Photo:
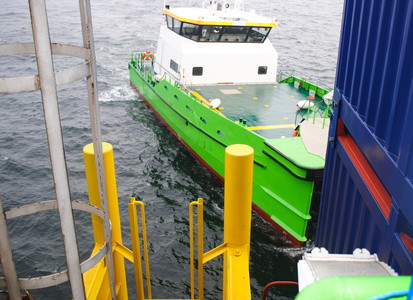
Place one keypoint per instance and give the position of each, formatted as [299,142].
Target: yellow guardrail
[200,219]
[237,227]
[136,248]
[205,102]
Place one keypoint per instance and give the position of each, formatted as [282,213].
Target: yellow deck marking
[271,127]
[240,88]
[266,105]
[275,86]
[285,118]
[198,89]
[205,102]
[255,98]
[292,96]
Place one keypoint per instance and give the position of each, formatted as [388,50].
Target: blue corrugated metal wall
[374,108]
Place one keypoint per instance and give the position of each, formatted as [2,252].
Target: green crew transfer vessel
[213,82]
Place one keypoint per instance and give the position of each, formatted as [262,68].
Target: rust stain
[37,82]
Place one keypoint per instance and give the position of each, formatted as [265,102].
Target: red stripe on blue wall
[373,183]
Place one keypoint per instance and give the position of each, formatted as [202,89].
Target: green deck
[295,151]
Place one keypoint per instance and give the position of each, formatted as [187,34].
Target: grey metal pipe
[6,258]
[44,57]
[8,282]
[88,42]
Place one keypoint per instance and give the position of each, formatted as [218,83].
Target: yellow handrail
[191,247]
[136,248]
[200,222]
[237,227]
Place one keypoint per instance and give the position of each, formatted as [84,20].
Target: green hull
[284,172]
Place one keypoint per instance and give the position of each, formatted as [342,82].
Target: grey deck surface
[272,107]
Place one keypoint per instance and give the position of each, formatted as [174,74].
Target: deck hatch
[231,91]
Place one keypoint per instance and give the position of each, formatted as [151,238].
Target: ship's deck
[269,109]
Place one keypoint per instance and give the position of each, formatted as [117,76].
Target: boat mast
[238,5]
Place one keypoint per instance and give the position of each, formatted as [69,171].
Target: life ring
[147,55]
[295,133]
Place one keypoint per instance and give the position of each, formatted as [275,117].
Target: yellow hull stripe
[271,127]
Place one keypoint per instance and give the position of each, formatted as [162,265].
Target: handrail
[185,80]
[308,83]
[237,227]
[137,62]
[55,278]
[136,248]
[274,283]
[31,82]
[137,252]
[201,262]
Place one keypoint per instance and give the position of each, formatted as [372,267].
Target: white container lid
[320,264]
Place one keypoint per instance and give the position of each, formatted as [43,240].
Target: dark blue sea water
[150,162]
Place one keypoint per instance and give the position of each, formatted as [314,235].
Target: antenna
[239,4]
[270,9]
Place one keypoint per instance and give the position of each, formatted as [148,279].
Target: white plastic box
[320,264]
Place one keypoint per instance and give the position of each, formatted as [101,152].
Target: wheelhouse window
[215,33]
[190,31]
[262,70]
[234,34]
[210,33]
[173,65]
[258,34]
[169,22]
[197,71]
[177,26]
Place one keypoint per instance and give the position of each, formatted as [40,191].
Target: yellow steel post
[191,247]
[200,218]
[112,196]
[237,221]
